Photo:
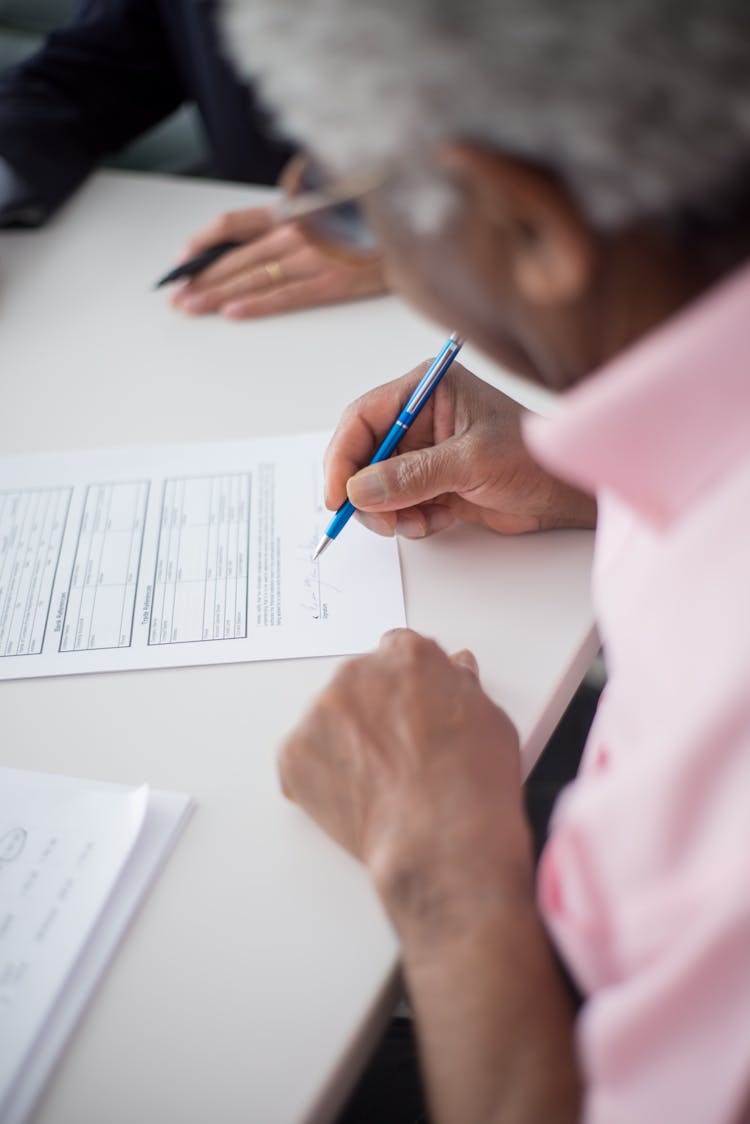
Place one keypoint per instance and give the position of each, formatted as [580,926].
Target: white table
[261,968]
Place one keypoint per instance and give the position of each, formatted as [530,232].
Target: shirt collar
[665,419]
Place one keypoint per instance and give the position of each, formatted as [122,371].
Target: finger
[244,283]
[397,637]
[288,297]
[275,246]
[405,647]
[466,659]
[380,524]
[229,266]
[413,523]
[232,226]
[418,522]
[360,430]
[412,478]
[238,285]
[198,295]
[241,273]
[329,283]
[243,295]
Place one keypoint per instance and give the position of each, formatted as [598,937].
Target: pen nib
[324,542]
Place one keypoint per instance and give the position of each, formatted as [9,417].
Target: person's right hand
[463,459]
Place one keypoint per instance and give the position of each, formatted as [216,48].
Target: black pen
[197,264]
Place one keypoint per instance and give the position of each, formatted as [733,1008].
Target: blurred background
[175,145]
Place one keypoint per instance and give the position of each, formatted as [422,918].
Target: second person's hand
[463,459]
[275,270]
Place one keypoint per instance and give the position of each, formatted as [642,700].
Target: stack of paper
[76,858]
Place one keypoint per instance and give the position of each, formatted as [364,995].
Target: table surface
[261,967]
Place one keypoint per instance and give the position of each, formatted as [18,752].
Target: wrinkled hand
[408,764]
[277,270]
[463,459]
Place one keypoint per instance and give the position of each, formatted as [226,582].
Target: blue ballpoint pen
[424,389]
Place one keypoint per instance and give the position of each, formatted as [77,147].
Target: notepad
[76,858]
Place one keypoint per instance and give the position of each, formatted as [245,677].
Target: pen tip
[324,542]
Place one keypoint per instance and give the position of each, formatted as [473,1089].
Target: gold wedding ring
[274,271]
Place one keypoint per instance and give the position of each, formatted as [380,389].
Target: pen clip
[436,372]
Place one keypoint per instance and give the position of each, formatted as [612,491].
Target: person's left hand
[276,270]
[406,762]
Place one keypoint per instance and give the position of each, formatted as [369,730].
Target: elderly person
[567,186]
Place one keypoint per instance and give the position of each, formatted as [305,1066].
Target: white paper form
[75,859]
[186,554]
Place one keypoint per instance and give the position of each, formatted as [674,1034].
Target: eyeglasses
[329,213]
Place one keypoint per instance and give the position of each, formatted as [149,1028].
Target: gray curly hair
[639,106]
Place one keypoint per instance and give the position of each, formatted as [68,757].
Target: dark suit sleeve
[97,83]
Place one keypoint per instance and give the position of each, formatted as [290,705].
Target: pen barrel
[432,377]
[340,519]
[397,431]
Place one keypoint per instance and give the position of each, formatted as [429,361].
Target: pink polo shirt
[645,881]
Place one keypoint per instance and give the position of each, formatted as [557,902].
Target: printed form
[185,554]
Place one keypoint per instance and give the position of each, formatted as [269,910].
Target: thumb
[411,478]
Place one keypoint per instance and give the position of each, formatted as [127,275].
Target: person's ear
[528,217]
